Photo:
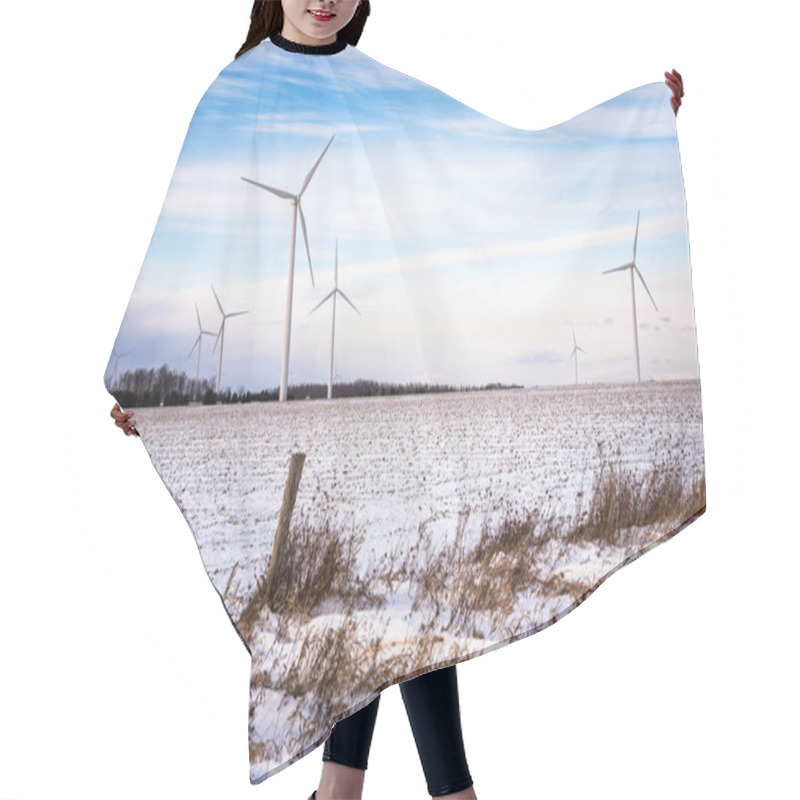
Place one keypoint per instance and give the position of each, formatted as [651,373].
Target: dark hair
[266,18]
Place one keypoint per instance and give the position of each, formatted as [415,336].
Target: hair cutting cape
[419,381]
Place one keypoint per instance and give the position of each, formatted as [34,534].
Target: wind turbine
[336,290]
[197,343]
[117,357]
[221,334]
[294,199]
[575,353]
[632,267]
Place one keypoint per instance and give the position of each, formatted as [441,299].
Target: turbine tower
[336,290]
[294,199]
[117,357]
[574,353]
[197,343]
[221,334]
[632,267]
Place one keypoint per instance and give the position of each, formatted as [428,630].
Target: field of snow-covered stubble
[478,518]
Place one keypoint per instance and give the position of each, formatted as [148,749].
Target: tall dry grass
[621,502]
[519,554]
[318,565]
[341,672]
[456,589]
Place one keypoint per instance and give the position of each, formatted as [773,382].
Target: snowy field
[388,464]
[415,480]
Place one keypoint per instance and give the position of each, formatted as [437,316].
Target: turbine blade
[636,235]
[617,269]
[218,302]
[305,239]
[645,287]
[219,333]
[348,300]
[327,297]
[279,192]
[314,168]
[583,351]
[196,342]
[236,314]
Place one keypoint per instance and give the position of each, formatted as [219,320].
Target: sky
[471,249]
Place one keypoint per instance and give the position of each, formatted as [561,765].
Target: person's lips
[321,15]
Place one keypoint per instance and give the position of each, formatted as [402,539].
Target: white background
[120,674]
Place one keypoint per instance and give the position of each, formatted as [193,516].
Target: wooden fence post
[264,593]
[284,522]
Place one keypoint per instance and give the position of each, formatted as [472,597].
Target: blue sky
[471,248]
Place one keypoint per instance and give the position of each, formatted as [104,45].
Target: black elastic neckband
[310,49]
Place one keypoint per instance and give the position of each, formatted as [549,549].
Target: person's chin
[319,37]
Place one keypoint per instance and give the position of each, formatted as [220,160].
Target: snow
[390,469]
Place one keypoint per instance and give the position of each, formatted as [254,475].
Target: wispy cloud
[465,243]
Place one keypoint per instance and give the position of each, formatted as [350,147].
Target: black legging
[432,706]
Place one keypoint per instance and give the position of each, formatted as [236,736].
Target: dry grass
[621,503]
[337,669]
[518,555]
[450,585]
[317,565]
[456,590]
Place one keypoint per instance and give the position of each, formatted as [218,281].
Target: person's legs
[351,737]
[433,710]
[345,755]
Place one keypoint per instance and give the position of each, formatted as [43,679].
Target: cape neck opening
[310,49]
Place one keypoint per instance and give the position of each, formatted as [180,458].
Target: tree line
[141,388]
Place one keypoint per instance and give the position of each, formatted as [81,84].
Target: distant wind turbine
[117,357]
[221,334]
[294,199]
[632,267]
[574,353]
[336,290]
[197,342]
